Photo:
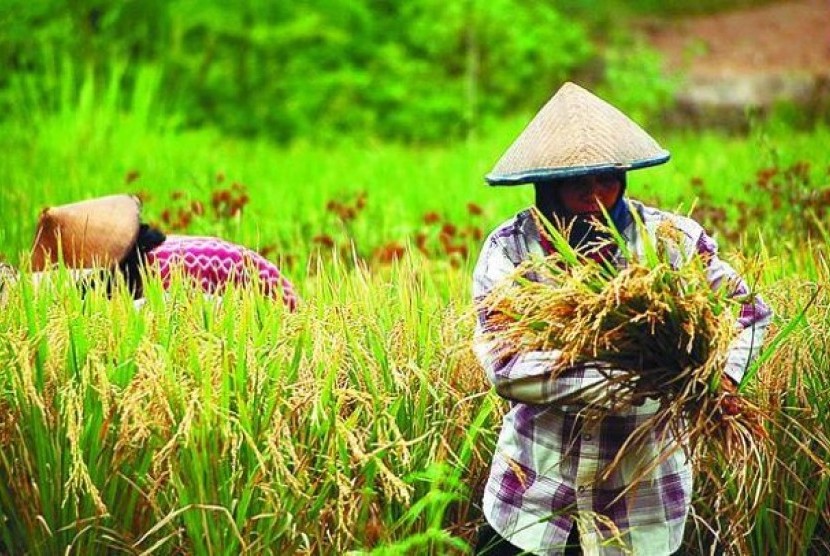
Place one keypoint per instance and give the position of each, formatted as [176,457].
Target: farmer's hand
[730,403]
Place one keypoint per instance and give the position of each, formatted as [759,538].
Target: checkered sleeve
[755,315]
[526,377]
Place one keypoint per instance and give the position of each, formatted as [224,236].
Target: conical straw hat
[576,133]
[94,233]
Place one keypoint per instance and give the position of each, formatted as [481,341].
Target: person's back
[107,234]
[212,263]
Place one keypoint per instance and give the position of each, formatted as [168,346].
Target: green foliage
[418,70]
[635,82]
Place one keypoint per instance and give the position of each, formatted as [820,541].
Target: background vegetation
[347,141]
[420,70]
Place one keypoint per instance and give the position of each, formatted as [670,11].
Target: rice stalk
[791,513]
[305,430]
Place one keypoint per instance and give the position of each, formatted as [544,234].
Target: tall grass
[229,426]
[360,423]
[106,139]
[791,516]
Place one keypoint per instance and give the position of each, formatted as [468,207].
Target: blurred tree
[420,70]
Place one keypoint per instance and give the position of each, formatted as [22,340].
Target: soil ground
[781,37]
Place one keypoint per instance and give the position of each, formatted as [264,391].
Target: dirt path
[780,37]
[755,56]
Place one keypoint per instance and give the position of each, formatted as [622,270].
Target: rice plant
[227,425]
[361,423]
[790,514]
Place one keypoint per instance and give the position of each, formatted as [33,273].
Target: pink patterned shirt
[212,263]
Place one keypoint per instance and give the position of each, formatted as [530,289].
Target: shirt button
[587,437]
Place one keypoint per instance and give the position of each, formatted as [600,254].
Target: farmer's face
[584,194]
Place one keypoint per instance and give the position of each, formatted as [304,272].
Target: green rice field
[361,423]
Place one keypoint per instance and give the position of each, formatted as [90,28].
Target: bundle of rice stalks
[650,323]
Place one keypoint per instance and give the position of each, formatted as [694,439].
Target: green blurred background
[298,105]
[421,70]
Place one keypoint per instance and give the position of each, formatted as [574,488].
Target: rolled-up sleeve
[754,316]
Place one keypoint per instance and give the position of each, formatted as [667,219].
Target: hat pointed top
[576,133]
[87,234]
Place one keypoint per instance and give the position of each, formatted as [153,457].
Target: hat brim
[576,133]
[539,175]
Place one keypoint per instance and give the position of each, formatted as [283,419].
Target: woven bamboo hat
[576,133]
[93,233]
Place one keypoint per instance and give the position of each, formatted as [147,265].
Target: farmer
[107,233]
[547,467]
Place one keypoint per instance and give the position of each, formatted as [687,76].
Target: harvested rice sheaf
[652,324]
[661,324]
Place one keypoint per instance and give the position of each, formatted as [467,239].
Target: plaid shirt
[549,458]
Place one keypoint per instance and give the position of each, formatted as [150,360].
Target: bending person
[107,233]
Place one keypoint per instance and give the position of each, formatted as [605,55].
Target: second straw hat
[576,133]
[93,233]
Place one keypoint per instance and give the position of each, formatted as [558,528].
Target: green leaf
[782,335]
[649,248]
[538,326]
[560,243]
